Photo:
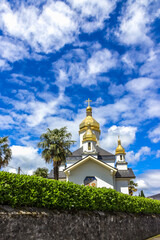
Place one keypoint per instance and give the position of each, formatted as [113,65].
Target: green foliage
[55,145]
[141,194]
[132,187]
[22,190]
[41,172]
[5,152]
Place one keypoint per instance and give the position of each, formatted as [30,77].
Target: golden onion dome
[120,149]
[89,121]
[89,135]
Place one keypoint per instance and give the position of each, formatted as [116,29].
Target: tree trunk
[56,170]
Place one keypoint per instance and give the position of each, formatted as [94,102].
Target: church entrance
[90,181]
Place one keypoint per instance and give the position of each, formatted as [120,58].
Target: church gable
[91,168]
[91,158]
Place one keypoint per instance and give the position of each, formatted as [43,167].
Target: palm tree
[55,144]
[132,187]
[41,172]
[5,152]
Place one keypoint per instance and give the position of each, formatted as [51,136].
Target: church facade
[93,166]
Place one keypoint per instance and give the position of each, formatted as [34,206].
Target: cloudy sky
[56,54]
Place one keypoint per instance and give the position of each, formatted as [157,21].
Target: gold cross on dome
[88,101]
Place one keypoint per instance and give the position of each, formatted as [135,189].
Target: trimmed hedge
[22,190]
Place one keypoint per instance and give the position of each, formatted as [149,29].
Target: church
[93,166]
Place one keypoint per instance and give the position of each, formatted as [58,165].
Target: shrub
[22,190]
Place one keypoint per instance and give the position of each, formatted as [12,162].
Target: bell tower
[120,153]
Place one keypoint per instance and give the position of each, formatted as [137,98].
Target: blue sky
[56,54]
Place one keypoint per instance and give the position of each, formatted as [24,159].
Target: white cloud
[133,158]
[98,11]
[45,30]
[149,181]
[154,134]
[116,90]
[4,65]
[135,101]
[151,65]
[77,67]
[140,86]
[56,24]
[131,58]
[110,138]
[128,61]
[134,23]
[35,112]
[158,154]
[40,110]
[27,158]
[12,50]
[101,61]
[99,101]
[153,107]
[6,122]
[118,111]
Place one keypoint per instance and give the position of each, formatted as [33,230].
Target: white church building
[93,166]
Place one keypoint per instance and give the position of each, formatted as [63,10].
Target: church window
[90,181]
[120,157]
[89,146]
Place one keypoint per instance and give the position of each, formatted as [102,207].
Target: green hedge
[22,190]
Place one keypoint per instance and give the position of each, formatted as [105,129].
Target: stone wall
[34,223]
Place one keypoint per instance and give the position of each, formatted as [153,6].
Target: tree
[41,172]
[141,194]
[5,152]
[55,144]
[132,187]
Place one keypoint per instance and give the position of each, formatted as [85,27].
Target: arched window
[89,146]
[120,157]
[90,181]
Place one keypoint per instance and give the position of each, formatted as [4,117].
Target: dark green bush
[21,190]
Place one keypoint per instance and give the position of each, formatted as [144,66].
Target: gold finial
[119,141]
[88,102]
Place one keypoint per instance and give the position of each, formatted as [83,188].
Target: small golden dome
[89,120]
[89,135]
[89,109]
[120,149]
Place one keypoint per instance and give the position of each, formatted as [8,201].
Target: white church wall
[90,168]
[122,186]
[110,162]
[97,136]
[122,166]
[120,158]
[81,138]
[93,147]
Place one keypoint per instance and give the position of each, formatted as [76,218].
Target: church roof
[78,152]
[103,152]
[125,173]
[81,161]
[99,151]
